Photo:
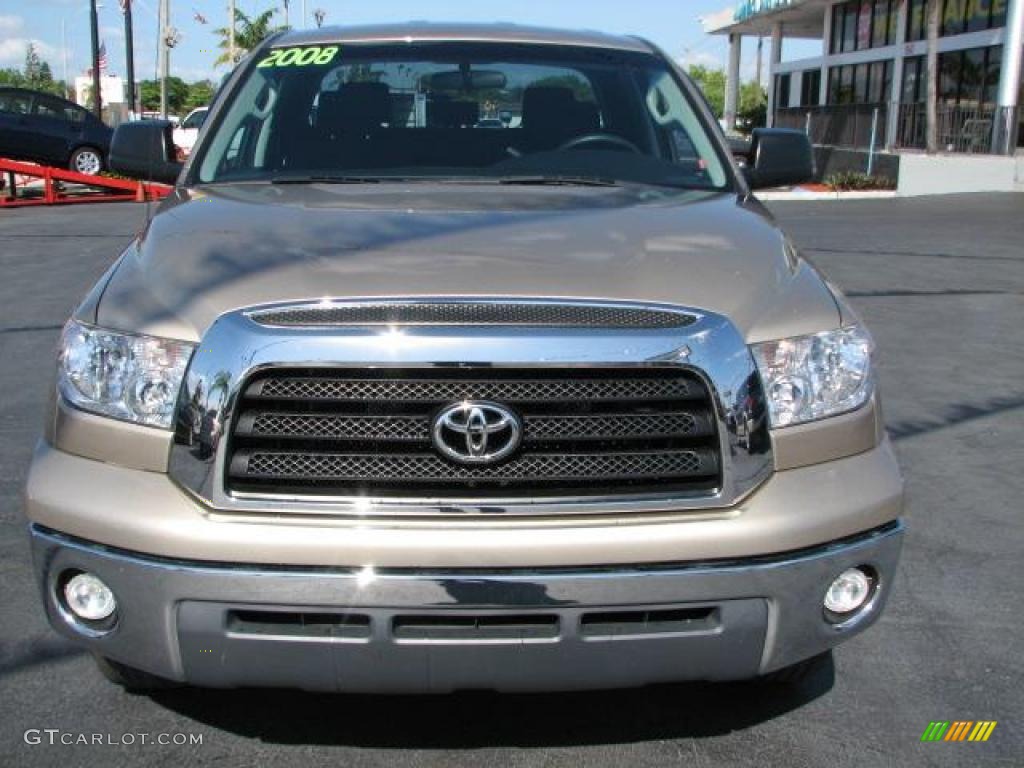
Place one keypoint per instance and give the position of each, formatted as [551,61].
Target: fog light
[850,591]
[89,598]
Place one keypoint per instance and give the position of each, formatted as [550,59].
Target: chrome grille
[367,432]
[546,314]
[334,467]
[530,389]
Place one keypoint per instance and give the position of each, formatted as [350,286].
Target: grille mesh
[476,313]
[586,431]
[426,390]
[289,425]
[538,467]
[341,427]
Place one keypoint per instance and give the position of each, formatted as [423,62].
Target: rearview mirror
[474,80]
[145,150]
[779,157]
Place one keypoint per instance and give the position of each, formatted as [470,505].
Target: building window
[861,24]
[881,28]
[913,88]
[917,23]
[782,90]
[956,17]
[970,78]
[967,78]
[810,87]
[850,27]
[879,82]
[860,83]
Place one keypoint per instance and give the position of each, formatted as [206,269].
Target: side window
[195,120]
[57,109]
[15,103]
[47,107]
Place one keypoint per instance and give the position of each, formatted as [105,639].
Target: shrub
[845,181]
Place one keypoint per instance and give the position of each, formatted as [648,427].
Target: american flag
[101,56]
[126,5]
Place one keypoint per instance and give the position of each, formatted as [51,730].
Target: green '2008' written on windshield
[300,57]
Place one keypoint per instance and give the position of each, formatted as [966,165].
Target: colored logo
[958,730]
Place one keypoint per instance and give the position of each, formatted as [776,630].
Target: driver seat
[552,116]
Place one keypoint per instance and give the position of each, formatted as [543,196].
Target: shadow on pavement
[33,651]
[475,720]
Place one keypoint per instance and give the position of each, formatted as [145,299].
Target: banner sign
[749,8]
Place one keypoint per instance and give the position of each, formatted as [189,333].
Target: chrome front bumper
[404,630]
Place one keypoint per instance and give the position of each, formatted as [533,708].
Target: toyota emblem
[475,432]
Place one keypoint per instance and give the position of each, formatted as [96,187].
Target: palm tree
[248,34]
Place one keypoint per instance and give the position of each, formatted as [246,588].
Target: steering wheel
[600,138]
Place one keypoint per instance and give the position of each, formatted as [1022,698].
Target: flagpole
[97,96]
[129,54]
[64,57]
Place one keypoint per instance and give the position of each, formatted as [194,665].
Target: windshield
[506,112]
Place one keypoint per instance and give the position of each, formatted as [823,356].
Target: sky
[672,24]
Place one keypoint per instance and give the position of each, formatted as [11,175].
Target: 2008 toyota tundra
[462,357]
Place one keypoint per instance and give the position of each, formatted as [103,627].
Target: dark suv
[50,130]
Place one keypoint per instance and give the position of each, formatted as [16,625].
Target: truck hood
[209,251]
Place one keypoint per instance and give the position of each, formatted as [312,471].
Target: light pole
[97,97]
[165,54]
[129,54]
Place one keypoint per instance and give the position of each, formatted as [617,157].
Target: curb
[808,194]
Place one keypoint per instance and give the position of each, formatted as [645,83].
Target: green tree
[11,76]
[200,94]
[249,32]
[37,75]
[33,65]
[149,95]
[712,83]
[753,107]
[752,110]
[177,94]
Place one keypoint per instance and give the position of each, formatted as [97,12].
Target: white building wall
[111,89]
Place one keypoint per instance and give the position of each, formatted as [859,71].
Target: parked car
[186,132]
[47,129]
[382,401]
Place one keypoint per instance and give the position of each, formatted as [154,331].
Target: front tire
[86,160]
[130,678]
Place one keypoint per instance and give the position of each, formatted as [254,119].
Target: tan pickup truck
[462,357]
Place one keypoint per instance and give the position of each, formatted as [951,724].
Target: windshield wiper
[325,179]
[559,181]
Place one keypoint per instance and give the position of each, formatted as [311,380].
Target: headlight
[812,377]
[133,378]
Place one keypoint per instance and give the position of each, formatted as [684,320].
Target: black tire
[131,679]
[799,672]
[87,160]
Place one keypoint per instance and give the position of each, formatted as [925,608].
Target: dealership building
[867,88]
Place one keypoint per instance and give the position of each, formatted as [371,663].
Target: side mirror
[144,150]
[779,157]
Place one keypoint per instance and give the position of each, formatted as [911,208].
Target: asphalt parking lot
[939,280]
